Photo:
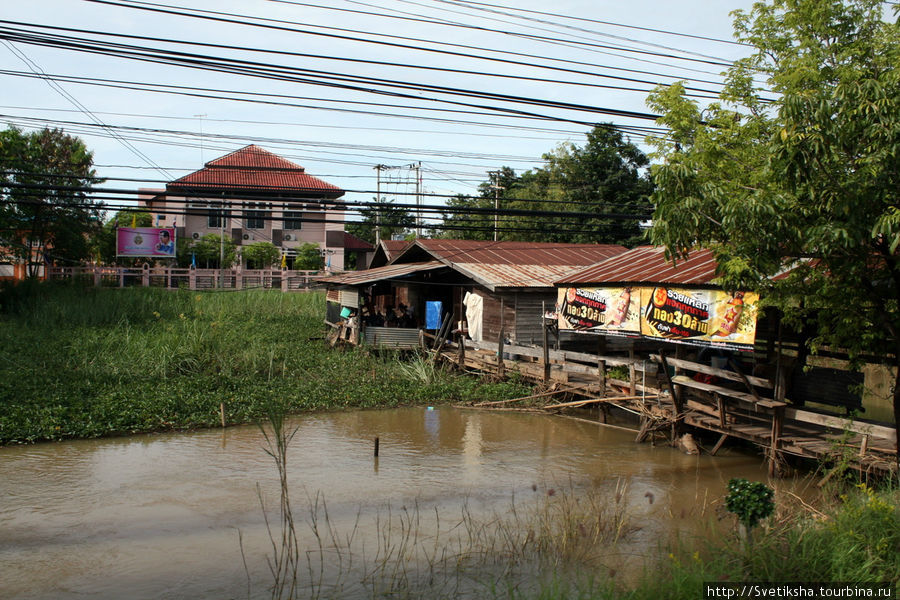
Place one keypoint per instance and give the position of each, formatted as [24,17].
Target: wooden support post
[677,397]
[720,404]
[780,379]
[377,442]
[864,446]
[601,364]
[546,355]
[737,369]
[643,431]
[719,444]
[500,364]
[222,413]
[461,351]
[632,372]
[777,424]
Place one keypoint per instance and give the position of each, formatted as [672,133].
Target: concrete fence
[192,279]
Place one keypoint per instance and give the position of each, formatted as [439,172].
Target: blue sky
[172,135]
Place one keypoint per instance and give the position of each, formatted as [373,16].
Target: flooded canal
[180,516]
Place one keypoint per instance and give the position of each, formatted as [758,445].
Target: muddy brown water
[179,515]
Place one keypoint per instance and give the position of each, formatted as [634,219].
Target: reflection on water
[159,516]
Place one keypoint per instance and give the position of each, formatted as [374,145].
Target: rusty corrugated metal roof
[394,247]
[253,169]
[515,264]
[381,273]
[519,253]
[648,264]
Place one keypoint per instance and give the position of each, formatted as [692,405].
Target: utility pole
[418,169]
[495,185]
[201,136]
[378,169]
[222,242]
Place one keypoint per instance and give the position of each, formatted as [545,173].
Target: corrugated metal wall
[528,316]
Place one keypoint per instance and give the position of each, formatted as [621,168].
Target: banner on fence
[701,317]
[145,241]
[614,310]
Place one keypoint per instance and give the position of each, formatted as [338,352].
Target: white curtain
[474,306]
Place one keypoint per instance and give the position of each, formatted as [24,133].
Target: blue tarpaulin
[433,310]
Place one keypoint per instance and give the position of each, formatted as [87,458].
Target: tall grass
[86,362]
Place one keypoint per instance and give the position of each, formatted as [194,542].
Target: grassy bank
[88,362]
[851,538]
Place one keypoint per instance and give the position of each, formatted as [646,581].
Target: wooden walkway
[719,401]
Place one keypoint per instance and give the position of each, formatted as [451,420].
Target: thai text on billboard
[705,317]
[614,310]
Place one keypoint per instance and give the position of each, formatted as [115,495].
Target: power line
[36,69]
[331,79]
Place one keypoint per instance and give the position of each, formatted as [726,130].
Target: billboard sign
[692,316]
[704,317]
[156,242]
[613,310]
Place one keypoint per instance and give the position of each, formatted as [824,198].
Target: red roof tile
[253,169]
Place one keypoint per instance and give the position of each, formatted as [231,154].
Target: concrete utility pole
[222,243]
[201,136]
[418,169]
[495,185]
[378,169]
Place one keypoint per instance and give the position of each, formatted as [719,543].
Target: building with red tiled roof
[253,195]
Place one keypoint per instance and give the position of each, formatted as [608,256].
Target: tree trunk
[897,409]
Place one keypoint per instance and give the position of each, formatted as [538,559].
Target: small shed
[478,287]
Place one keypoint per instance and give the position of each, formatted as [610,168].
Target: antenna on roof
[202,162]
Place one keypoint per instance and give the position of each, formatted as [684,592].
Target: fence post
[192,279]
[546,357]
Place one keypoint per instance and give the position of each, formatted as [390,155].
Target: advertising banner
[614,310]
[704,317]
[145,241]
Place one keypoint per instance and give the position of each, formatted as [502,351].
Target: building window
[255,219]
[292,220]
[216,219]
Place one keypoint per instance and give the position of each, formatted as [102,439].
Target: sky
[341,86]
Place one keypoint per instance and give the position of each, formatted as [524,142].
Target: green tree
[309,258]
[805,181]
[104,240]
[472,217]
[45,203]
[603,185]
[599,192]
[261,255]
[389,219]
[208,249]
